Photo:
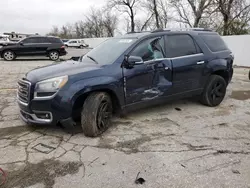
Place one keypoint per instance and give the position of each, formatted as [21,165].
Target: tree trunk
[132,18]
[156,14]
[197,21]
[226,25]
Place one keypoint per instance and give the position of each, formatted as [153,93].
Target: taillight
[62,46]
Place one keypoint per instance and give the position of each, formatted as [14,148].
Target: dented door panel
[137,80]
[154,82]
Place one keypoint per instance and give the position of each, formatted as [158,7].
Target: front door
[29,46]
[188,62]
[151,79]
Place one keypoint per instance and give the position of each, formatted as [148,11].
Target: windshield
[108,51]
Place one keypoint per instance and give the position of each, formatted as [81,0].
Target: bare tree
[233,11]
[54,31]
[127,6]
[110,24]
[158,10]
[191,11]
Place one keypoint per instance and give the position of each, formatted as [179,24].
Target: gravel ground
[179,144]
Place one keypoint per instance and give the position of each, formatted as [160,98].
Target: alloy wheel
[54,55]
[9,55]
[103,116]
[217,91]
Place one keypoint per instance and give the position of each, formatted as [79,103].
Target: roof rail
[182,29]
[137,32]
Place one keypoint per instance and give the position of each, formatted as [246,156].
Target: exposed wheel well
[224,74]
[77,107]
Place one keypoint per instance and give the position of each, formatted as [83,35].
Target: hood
[60,69]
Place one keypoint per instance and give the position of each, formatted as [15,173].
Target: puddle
[240,95]
[43,173]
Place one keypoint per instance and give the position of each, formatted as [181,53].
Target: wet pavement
[179,144]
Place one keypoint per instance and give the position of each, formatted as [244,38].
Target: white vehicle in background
[4,40]
[76,43]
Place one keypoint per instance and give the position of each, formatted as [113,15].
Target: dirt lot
[180,144]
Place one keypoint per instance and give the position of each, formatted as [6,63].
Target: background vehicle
[51,47]
[65,40]
[144,69]
[4,40]
[76,43]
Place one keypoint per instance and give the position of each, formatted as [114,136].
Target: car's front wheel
[215,91]
[9,55]
[81,46]
[96,114]
[53,55]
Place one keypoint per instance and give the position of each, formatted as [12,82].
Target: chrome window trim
[172,58]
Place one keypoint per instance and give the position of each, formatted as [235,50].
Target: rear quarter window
[214,42]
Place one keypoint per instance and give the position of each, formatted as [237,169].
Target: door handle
[200,62]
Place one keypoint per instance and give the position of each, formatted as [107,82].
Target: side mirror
[133,60]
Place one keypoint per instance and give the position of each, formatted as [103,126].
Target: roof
[185,30]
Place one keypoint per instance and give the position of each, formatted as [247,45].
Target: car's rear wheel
[9,55]
[96,114]
[215,91]
[54,55]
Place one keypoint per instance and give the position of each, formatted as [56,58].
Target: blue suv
[126,73]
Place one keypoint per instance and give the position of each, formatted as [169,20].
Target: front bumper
[49,111]
[33,119]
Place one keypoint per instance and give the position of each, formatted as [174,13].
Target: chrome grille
[23,91]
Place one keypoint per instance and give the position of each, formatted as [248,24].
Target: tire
[54,55]
[9,55]
[96,114]
[81,46]
[66,46]
[214,92]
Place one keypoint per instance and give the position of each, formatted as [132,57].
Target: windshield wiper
[92,59]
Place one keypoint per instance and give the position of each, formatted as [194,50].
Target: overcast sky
[38,16]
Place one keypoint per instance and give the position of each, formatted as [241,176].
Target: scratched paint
[151,94]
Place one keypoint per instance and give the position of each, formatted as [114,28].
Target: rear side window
[180,45]
[43,40]
[54,40]
[214,42]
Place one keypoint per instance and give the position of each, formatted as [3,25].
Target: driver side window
[150,49]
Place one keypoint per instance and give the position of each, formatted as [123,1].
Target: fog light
[43,115]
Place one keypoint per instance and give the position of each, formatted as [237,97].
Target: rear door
[42,46]
[188,62]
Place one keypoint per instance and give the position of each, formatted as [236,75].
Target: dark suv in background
[51,47]
[126,73]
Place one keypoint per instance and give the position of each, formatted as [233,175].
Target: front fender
[105,83]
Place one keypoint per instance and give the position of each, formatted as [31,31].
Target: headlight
[51,85]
